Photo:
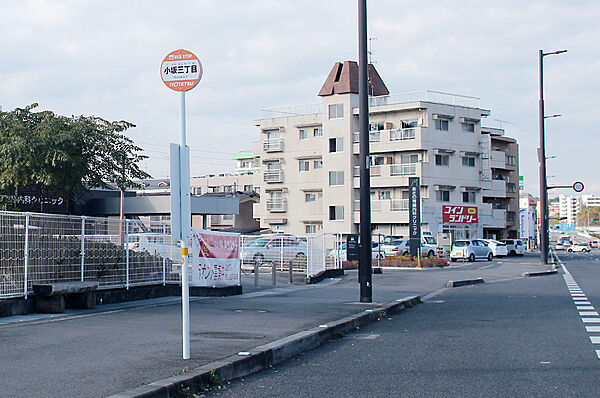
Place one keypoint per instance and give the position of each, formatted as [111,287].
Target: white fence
[283,252]
[46,248]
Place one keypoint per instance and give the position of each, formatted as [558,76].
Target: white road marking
[593,329]
[590,320]
[588,313]
[595,339]
[583,303]
[598,353]
[577,294]
[579,298]
[366,336]
[585,307]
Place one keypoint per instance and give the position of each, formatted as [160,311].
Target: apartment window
[215,189]
[336,144]
[376,126]
[318,164]
[409,158]
[336,111]
[312,228]
[407,124]
[377,160]
[304,165]
[227,188]
[441,124]
[468,127]
[336,213]
[469,197]
[336,178]
[383,195]
[442,196]
[511,216]
[511,187]
[303,134]
[468,161]
[197,190]
[248,188]
[310,197]
[318,132]
[442,160]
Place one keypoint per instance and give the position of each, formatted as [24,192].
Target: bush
[402,261]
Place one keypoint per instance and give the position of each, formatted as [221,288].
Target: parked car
[559,246]
[402,247]
[470,250]
[275,248]
[391,238]
[499,249]
[515,247]
[377,253]
[594,244]
[579,247]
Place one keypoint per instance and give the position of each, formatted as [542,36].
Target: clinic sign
[215,258]
[181,70]
[414,214]
[459,214]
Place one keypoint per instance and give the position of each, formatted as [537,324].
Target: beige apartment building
[308,175]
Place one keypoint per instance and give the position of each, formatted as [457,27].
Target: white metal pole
[164,257]
[26,249]
[185,292]
[127,254]
[82,247]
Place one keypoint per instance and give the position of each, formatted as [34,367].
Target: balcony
[276,205]
[498,160]
[388,135]
[384,211]
[403,169]
[273,145]
[385,205]
[425,96]
[273,175]
[388,174]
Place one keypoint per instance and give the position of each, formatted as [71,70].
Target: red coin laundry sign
[181,70]
[459,214]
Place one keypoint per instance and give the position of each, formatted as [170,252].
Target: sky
[102,58]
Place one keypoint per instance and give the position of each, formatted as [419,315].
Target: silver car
[275,249]
[471,250]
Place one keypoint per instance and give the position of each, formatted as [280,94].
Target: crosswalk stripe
[595,339]
[590,320]
[585,307]
[588,313]
[592,329]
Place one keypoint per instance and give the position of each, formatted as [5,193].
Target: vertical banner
[215,258]
[414,214]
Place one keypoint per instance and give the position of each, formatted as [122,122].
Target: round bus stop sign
[181,70]
[578,186]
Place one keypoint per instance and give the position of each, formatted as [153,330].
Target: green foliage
[591,213]
[66,154]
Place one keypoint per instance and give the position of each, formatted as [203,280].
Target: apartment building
[309,171]
[590,200]
[569,207]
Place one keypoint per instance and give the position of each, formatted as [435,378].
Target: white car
[499,249]
[470,250]
[376,252]
[579,247]
[429,247]
[275,248]
[515,247]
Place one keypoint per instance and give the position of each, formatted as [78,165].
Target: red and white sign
[459,214]
[578,186]
[181,70]
[215,258]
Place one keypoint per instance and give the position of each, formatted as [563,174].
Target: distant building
[590,200]
[569,207]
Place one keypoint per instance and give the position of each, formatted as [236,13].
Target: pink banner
[215,258]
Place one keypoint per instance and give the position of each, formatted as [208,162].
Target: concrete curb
[541,273]
[264,356]
[465,282]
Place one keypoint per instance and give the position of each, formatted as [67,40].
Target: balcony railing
[273,175]
[273,145]
[276,205]
[386,205]
[426,96]
[403,134]
[404,169]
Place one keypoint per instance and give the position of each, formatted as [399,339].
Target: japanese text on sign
[181,70]
[215,258]
[459,214]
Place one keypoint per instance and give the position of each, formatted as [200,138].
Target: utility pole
[365,258]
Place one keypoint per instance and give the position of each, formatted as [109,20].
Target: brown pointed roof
[343,79]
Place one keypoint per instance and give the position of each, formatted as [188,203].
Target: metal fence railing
[288,253]
[46,248]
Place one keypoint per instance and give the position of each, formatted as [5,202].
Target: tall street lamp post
[542,159]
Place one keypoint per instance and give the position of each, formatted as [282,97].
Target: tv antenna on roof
[370,51]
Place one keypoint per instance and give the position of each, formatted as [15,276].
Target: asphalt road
[515,338]
[118,347]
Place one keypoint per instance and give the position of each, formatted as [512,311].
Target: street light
[542,159]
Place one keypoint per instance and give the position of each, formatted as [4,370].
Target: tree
[66,154]
[591,213]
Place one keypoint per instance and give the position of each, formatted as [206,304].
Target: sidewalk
[119,347]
